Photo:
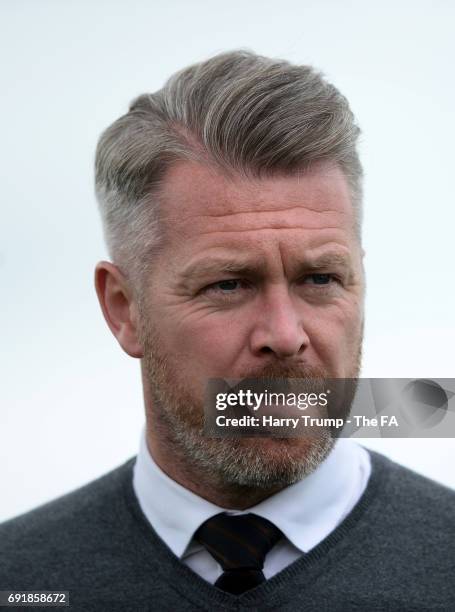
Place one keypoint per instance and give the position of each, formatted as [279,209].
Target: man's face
[256,276]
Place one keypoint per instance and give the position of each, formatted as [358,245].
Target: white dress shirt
[306,512]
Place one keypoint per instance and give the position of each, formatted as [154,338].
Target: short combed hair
[243,112]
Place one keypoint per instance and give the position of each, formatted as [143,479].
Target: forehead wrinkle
[268,228]
[249,213]
[272,210]
[294,218]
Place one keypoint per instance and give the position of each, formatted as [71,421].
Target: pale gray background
[71,405]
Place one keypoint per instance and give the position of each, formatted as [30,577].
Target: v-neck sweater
[394,551]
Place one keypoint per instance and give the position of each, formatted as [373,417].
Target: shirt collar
[306,512]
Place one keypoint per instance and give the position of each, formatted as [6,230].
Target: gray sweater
[395,551]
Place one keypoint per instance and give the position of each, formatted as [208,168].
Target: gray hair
[244,113]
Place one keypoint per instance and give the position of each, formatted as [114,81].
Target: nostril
[266,349]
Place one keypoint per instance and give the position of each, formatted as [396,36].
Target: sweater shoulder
[76,521]
[91,496]
[413,495]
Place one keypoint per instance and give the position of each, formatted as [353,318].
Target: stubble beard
[258,463]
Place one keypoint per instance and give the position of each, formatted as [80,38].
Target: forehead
[193,190]
[199,204]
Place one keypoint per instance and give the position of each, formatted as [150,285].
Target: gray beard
[245,462]
[259,463]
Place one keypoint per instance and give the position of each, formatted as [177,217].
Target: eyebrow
[206,267]
[249,267]
[327,260]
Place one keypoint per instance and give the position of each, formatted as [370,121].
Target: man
[231,202]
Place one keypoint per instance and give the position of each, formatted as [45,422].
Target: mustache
[273,371]
[282,378]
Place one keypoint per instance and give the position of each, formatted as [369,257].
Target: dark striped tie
[240,544]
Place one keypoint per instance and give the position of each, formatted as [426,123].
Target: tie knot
[239,541]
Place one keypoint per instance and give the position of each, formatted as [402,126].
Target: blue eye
[227,285]
[321,279]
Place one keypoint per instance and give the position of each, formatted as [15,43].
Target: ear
[118,306]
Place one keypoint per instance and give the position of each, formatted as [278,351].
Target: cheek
[335,332]
[209,346]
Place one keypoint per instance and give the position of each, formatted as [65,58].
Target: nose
[279,327]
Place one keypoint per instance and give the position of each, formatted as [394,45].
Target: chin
[267,462]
